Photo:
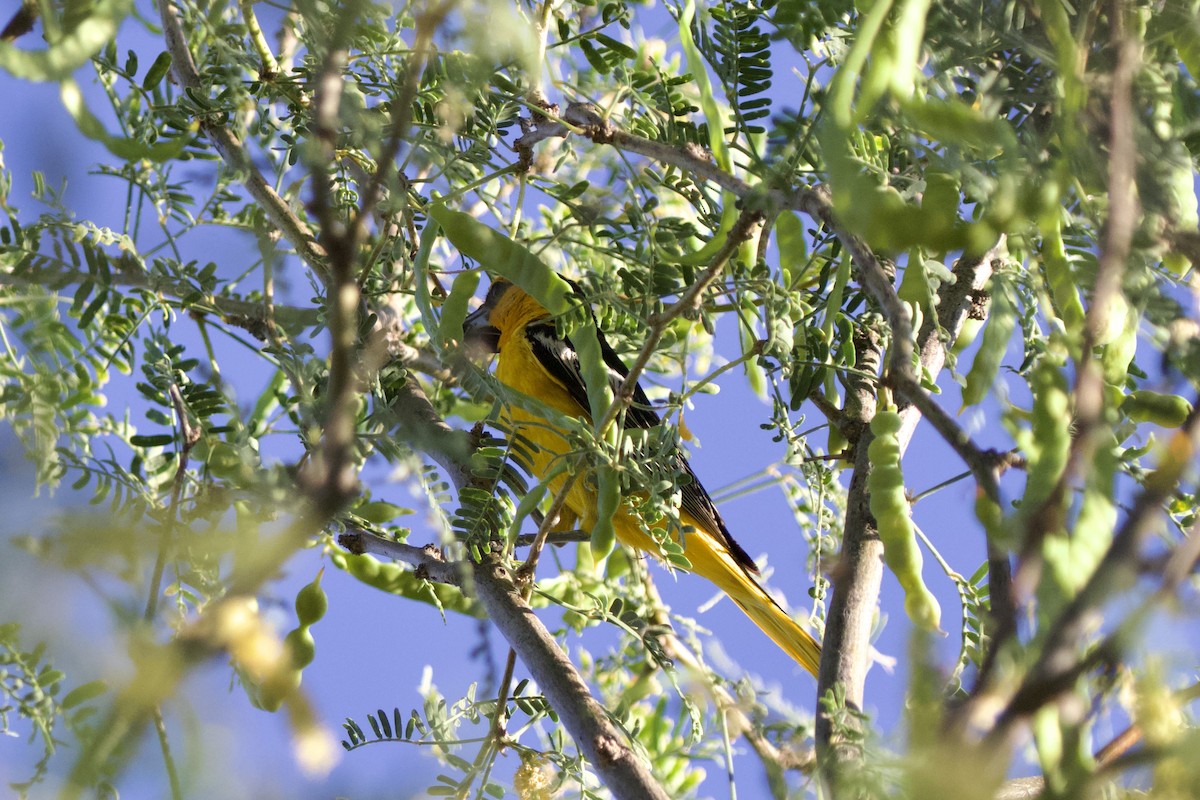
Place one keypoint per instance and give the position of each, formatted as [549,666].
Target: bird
[533,359]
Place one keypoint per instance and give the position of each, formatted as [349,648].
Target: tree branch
[427,560]
[620,768]
[425,24]
[231,148]
[1088,394]
[1057,660]
[605,747]
[250,315]
[815,202]
[857,574]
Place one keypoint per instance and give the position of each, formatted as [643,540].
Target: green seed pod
[891,510]
[311,602]
[454,309]
[989,514]
[966,335]
[837,444]
[301,647]
[1048,444]
[939,211]
[389,576]
[363,567]
[1167,410]
[1119,352]
[1060,278]
[1181,191]
[277,688]
[996,334]
[608,500]
[158,70]
[915,290]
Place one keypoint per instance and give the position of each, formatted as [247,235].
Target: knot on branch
[536,128]
[610,749]
[352,542]
[591,119]
[697,152]
[1003,460]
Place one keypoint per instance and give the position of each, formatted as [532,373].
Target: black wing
[558,356]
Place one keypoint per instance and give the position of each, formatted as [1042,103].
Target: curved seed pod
[996,334]
[1048,443]
[891,510]
[1167,410]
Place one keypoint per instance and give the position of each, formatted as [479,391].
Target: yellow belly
[544,442]
[548,448]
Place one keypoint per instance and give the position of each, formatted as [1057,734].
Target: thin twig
[688,302]
[775,760]
[1120,225]
[428,560]
[164,744]
[231,148]
[189,436]
[425,24]
[558,537]
[497,731]
[982,463]
[527,570]
[1057,661]
[235,311]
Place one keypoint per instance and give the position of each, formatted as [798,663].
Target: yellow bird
[536,361]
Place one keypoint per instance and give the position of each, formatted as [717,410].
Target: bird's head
[506,308]
[478,329]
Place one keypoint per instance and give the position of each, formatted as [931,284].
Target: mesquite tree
[823,201]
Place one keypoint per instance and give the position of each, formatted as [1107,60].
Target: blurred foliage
[183,394]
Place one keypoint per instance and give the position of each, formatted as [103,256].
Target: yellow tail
[783,630]
[711,560]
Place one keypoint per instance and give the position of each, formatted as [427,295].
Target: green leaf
[152,440]
[73,50]
[120,146]
[81,694]
[379,512]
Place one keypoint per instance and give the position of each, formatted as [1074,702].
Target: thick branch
[604,746]
[584,718]
[858,572]
[330,477]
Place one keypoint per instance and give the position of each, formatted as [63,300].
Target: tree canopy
[974,223]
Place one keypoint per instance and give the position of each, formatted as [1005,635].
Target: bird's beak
[479,335]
